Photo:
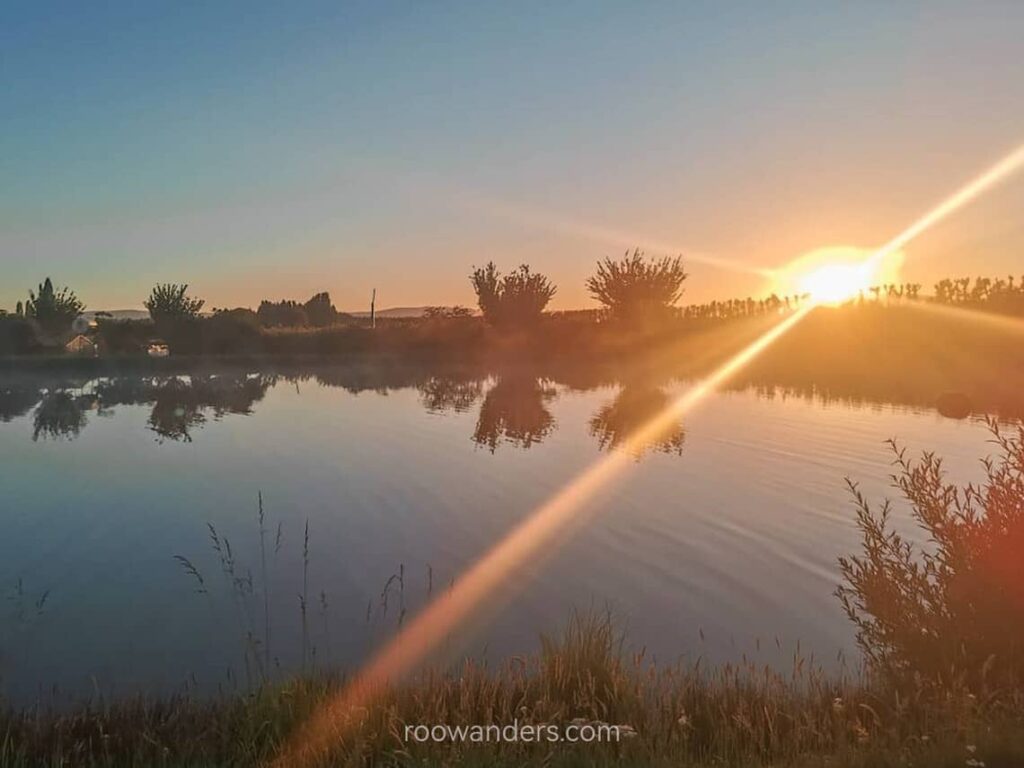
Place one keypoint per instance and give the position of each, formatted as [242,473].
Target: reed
[683,714]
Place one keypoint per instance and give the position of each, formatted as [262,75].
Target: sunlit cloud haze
[275,151]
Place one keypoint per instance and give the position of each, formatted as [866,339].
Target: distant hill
[393,312]
[142,314]
[119,314]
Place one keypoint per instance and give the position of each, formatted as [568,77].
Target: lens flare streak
[543,528]
[999,172]
[536,534]
[620,238]
[1004,323]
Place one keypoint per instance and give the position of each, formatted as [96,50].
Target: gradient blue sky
[277,149]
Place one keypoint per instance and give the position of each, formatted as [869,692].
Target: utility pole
[373,309]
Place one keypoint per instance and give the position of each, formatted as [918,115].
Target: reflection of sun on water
[838,274]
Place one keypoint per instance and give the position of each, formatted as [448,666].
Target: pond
[133,557]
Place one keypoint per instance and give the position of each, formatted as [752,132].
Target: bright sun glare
[835,275]
[836,283]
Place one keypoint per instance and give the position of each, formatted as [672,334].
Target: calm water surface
[730,526]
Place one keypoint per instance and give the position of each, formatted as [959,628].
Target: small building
[81,345]
[158,348]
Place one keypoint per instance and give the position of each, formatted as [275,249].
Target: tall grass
[937,627]
[683,714]
[245,590]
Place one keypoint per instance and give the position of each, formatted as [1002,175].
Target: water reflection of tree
[176,411]
[514,411]
[444,393]
[179,404]
[631,410]
[380,377]
[59,415]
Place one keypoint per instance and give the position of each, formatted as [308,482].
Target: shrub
[124,337]
[317,312]
[637,289]
[225,332]
[18,335]
[518,298]
[281,314]
[320,311]
[231,331]
[951,610]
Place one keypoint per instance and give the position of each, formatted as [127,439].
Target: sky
[274,150]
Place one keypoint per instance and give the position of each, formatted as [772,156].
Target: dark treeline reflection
[512,404]
[858,358]
[514,411]
[450,393]
[637,403]
[59,414]
[60,409]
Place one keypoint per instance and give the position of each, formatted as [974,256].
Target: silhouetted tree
[638,289]
[171,302]
[18,335]
[320,312]
[53,310]
[282,314]
[486,283]
[733,308]
[518,298]
[999,295]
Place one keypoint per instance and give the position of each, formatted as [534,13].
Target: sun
[837,274]
[836,283]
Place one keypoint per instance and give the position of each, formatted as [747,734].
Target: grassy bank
[740,715]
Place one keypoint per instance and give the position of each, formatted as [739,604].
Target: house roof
[79,342]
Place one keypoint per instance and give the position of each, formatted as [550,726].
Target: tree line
[634,291]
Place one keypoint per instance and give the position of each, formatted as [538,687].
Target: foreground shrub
[952,610]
